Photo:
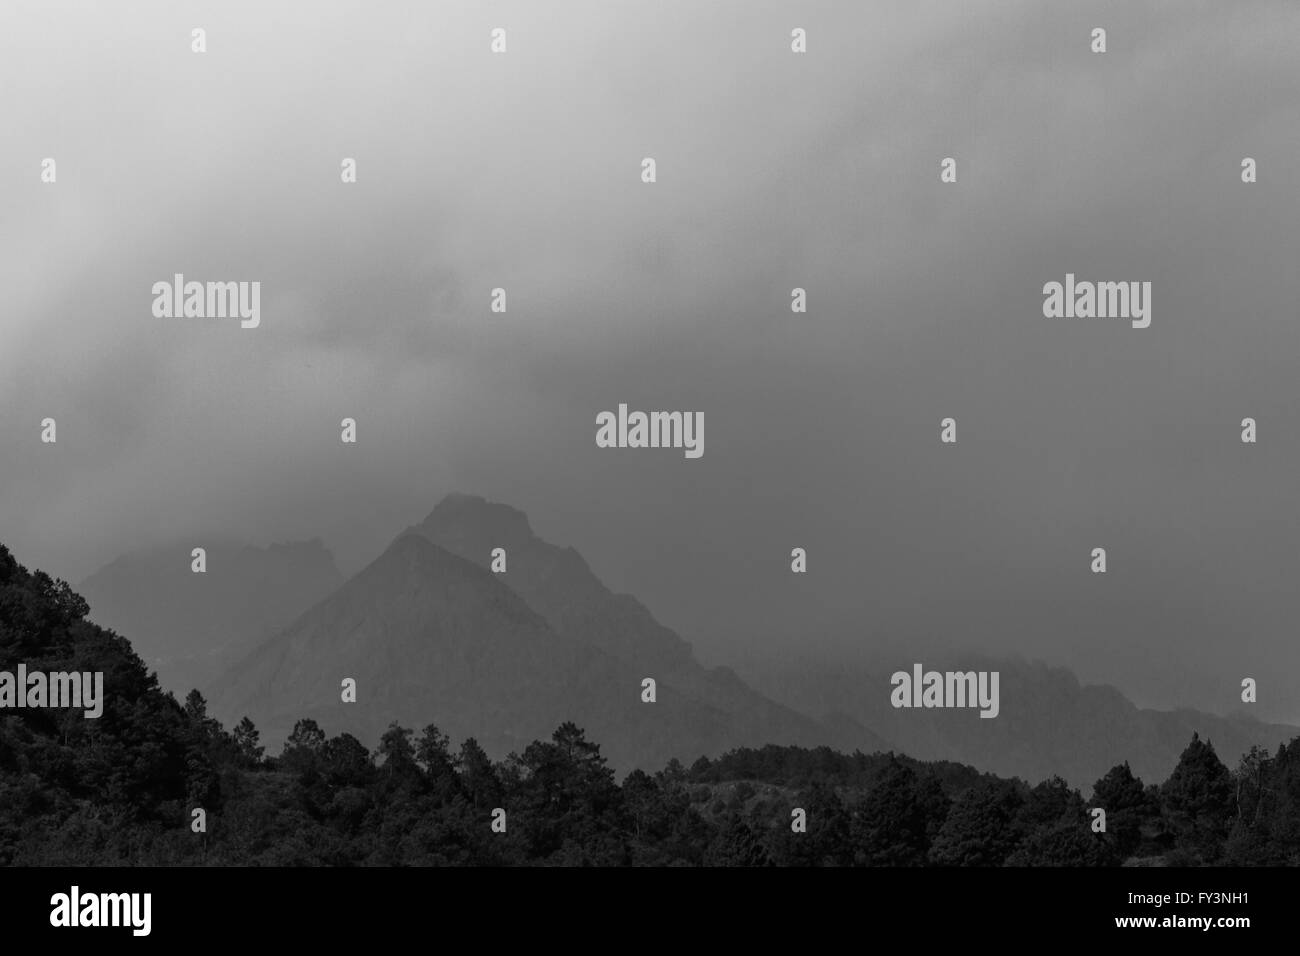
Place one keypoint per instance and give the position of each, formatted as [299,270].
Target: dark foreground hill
[152,782]
[68,781]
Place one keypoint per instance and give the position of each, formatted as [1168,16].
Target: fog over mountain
[775,171]
[1049,724]
[431,634]
[191,627]
[430,637]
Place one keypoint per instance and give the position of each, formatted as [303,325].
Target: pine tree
[1198,799]
[1127,807]
[301,753]
[979,830]
[246,743]
[888,827]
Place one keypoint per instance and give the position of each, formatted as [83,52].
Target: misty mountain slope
[1048,722]
[190,627]
[555,582]
[558,584]
[430,637]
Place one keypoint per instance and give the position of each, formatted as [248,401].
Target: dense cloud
[775,171]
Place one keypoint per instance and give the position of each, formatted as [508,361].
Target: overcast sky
[775,170]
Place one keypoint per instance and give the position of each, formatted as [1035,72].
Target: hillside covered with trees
[123,788]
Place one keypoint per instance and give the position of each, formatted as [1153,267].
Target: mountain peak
[420,557]
[558,584]
[459,512]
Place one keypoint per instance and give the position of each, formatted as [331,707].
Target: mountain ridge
[430,636]
[599,639]
[1051,723]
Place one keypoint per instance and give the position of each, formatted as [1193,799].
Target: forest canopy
[127,789]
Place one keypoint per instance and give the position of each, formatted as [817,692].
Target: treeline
[124,789]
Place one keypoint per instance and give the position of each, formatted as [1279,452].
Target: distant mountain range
[1048,724]
[191,627]
[432,635]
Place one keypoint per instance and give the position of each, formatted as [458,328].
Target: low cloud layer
[521,171]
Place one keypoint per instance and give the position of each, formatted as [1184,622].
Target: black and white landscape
[729,433]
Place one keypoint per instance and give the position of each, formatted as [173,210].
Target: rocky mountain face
[430,637]
[558,584]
